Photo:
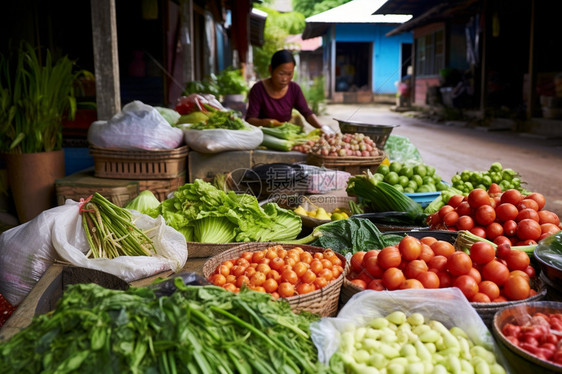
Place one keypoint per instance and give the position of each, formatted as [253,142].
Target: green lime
[496,167]
[399,187]
[516,182]
[428,180]
[486,180]
[505,185]
[395,166]
[465,175]
[475,178]
[418,179]
[409,190]
[420,170]
[392,177]
[436,178]
[413,185]
[506,176]
[441,186]
[406,171]
[468,186]
[383,169]
[430,170]
[424,188]
[378,176]
[496,177]
[403,180]
[481,186]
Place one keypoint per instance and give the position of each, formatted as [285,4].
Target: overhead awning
[257,27]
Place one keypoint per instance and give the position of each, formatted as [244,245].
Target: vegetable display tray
[354,165]
[323,301]
[133,164]
[423,198]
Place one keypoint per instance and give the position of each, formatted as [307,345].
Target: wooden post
[187,41]
[532,78]
[106,58]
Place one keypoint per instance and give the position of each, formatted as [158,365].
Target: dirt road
[451,148]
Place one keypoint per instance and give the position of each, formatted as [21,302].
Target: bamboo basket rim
[348,160]
[324,299]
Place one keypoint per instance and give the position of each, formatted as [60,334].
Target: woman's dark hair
[282,56]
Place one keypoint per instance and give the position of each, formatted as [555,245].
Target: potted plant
[232,85]
[36,94]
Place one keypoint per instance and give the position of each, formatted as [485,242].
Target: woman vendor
[271,100]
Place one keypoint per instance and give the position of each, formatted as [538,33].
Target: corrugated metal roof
[304,45]
[358,11]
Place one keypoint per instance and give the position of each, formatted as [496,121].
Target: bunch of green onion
[111,231]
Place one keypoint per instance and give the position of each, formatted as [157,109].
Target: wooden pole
[106,58]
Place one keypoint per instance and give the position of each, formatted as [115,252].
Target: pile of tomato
[540,336]
[508,217]
[279,271]
[484,275]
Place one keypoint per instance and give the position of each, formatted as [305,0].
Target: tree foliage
[277,27]
[311,7]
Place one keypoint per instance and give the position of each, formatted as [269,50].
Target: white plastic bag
[70,244]
[26,252]
[137,126]
[221,140]
[446,305]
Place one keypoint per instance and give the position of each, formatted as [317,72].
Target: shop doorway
[353,66]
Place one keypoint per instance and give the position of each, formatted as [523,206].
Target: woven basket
[323,301]
[354,165]
[486,311]
[132,164]
[522,361]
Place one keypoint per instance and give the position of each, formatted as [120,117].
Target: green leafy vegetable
[346,235]
[197,329]
[221,119]
[144,203]
[242,219]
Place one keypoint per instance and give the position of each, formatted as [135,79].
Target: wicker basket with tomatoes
[308,277]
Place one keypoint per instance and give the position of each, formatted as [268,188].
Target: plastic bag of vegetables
[222,131]
[385,327]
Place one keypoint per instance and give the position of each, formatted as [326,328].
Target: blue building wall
[386,59]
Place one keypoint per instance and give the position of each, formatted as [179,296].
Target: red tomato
[428,279]
[426,253]
[410,247]
[511,196]
[270,285]
[478,231]
[489,288]
[530,271]
[438,263]
[459,263]
[389,257]
[371,253]
[482,252]
[415,267]
[510,329]
[528,229]
[516,288]
[372,266]
[444,210]
[411,283]
[357,261]
[375,284]
[495,271]
[442,248]
[527,213]
[546,216]
[455,200]
[494,189]
[549,228]
[475,273]
[465,223]
[484,215]
[450,219]
[467,285]
[493,230]
[500,239]
[359,283]
[286,289]
[480,298]
[506,211]
[503,250]
[445,279]
[478,197]
[428,240]
[510,228]
[517,260]
[464,209]
[393,278]
[528,204]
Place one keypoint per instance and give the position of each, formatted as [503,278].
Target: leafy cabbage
[144,203]
[206,214]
